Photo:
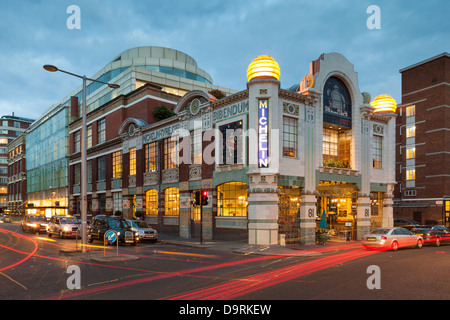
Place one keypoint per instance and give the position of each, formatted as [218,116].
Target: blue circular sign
[111,236]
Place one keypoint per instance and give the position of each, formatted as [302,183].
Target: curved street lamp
[83,140]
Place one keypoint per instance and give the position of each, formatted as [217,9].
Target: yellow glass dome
[263,66]
[384,103]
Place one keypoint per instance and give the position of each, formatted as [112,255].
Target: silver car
[145,231]
[392,238]
[63,226]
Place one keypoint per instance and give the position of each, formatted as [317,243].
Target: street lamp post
[83,152]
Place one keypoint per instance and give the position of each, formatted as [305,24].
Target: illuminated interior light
[384,104]
[263,66]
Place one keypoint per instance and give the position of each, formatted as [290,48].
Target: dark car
[407,224]
[101,224]
[435,235]
[34,223]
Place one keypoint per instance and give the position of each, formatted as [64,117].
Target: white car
[145,231]
[392,238]
[63,226]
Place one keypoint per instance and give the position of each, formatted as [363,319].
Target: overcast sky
[223,36]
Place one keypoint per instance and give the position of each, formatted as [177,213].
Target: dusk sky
[222,36]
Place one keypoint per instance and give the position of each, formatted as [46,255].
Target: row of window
[101,135]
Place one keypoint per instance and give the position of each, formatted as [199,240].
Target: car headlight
[66,228]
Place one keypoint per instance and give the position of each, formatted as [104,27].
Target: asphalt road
[34,268]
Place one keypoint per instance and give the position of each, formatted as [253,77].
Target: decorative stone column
[308,218]
[388,207]
[263,209]
[362,215]
[185,208]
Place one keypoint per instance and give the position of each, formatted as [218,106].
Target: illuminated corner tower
[263,74]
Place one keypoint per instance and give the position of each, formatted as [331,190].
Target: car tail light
[383,238]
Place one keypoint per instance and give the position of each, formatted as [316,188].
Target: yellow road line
[14,281]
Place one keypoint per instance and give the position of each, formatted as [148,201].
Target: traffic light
[204,198]
[197,199]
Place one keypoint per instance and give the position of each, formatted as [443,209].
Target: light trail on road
[260,281]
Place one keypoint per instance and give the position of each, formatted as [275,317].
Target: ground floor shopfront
[171,208]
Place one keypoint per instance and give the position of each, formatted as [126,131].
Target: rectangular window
[172,201]
[117,164]
[89,171]
[411,132]
[151,157]
[411,174]
[77,142]
[410,111]
[170,156]
[232,149]
[196,147]
[290,137]
[117,201]
[102,131]
[89,136]
[336,147]
[410,153]
[377,151]
[101,171]
[132,161]
[77,176]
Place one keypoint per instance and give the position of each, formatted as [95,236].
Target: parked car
[101,224]
[433,234]
[392,238]
[63,226]
[34,223]
[4,218]
[145,231]
[407,224]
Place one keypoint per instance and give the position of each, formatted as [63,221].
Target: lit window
[410,111]
[117,164]
[411,174]
[411,132]
[171,199]
[151,202]
[410,153]
[290,137]
[132,161]
[170,157]
[377,151]
[232,199]
[151,157]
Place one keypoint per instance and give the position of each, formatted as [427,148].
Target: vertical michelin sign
[263,133]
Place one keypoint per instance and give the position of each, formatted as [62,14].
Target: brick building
[17,176]
[422,142]
[11,127]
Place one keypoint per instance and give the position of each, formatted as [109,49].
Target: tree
[162,113]
[217,93]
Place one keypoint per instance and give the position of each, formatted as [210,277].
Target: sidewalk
[242,247]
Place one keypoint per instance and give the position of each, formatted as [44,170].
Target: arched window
[151,202]
[172,201]
[232,199]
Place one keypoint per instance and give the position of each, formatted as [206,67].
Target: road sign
[111,236]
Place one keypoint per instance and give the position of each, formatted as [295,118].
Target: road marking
[14,281]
